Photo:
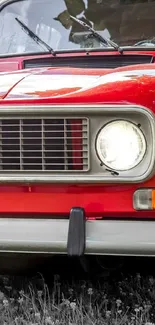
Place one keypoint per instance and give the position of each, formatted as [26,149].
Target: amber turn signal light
[144,199]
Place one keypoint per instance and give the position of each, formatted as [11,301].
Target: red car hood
[47,82]
[70,85]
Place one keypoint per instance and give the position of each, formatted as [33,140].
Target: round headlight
[120,145]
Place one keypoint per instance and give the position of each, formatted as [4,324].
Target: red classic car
[77,127]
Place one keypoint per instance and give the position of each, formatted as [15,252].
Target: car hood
[48,82]
[72,84]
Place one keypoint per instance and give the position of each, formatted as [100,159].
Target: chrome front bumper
[134,238]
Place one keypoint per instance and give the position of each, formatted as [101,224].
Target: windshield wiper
[102,39]
[35,37]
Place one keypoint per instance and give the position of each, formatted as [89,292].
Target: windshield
[126,22]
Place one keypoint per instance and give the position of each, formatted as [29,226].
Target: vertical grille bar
[54,144]
[65,145]
[10,143]
[42,144]
[85,143]
[1,156]
[21,143]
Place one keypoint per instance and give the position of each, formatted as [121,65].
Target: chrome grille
[44,144]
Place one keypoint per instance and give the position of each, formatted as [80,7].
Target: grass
[127,301]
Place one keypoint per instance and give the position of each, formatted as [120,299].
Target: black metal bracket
[76,232]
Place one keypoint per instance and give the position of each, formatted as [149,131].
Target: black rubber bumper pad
[76,232]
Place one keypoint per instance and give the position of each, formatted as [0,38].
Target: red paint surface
[98,201]
[76,131]
[135,86]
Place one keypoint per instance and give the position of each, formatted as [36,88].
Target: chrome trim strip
[49,236]
[72,109]
[82,111]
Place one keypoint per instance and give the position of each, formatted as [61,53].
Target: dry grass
[130,301]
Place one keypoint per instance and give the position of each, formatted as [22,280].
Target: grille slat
[46,150]
[35,138]
[50,144]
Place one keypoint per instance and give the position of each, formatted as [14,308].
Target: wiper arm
[35,37]
[104,40]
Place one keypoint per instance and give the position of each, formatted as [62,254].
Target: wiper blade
[104,40]
[35,37]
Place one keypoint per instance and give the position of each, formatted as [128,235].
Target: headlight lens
[120,145]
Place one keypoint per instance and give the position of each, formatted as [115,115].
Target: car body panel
[83,86]
[97,201]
